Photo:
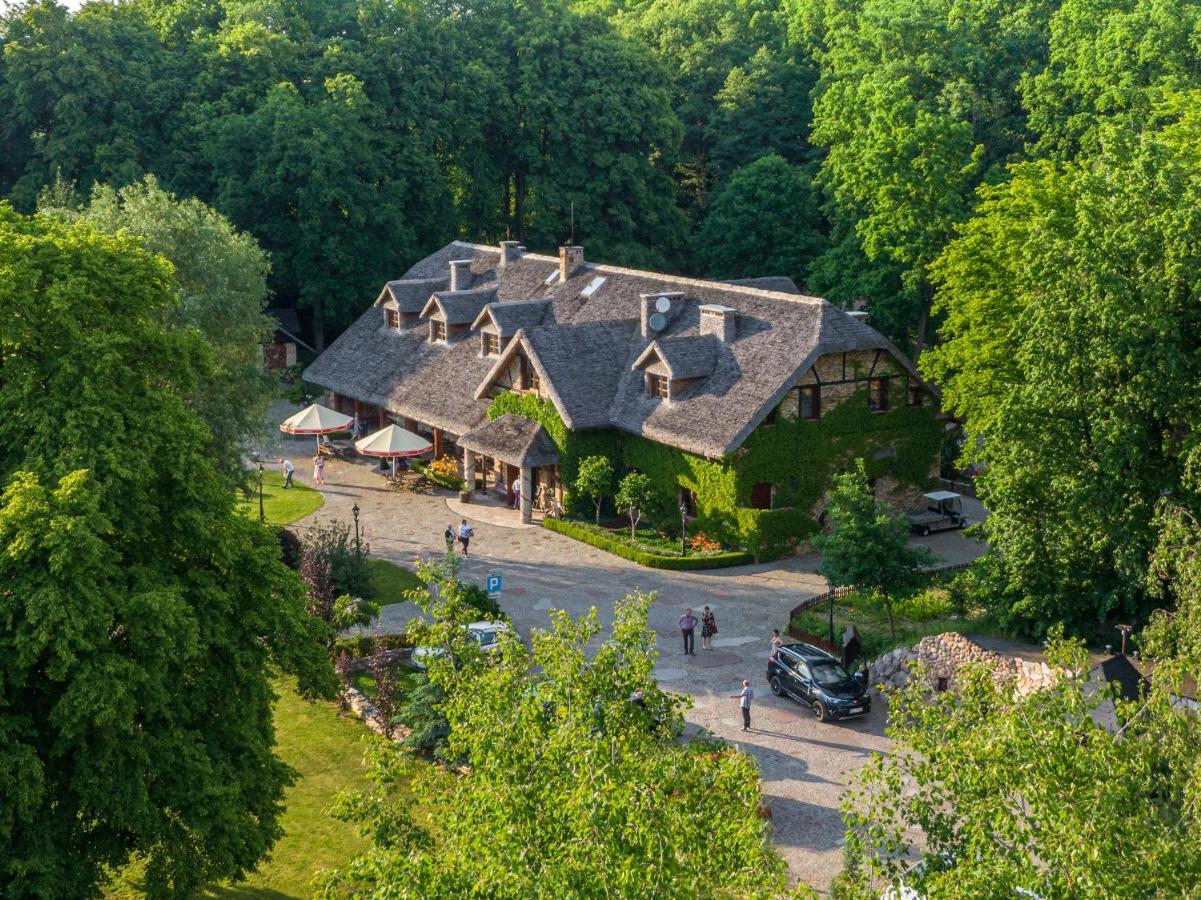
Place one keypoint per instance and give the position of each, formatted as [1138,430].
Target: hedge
[615,545]
[359,646]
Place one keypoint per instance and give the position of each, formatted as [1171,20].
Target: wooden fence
[966,488]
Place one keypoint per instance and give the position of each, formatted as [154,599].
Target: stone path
[804,763]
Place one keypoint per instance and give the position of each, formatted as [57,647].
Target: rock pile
[944,655]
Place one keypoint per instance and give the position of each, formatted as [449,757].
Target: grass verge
[389,581]
[281,507]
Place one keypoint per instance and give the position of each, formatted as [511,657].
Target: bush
[609,542]
[478,598]
[931,603]
[364,645]
[443,472]
[702,543]
[290,547]
[335,544]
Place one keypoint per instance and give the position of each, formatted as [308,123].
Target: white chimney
[509,251]
[719,320]
[460,274]
[570,259]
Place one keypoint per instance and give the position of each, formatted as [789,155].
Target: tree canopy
[144,616]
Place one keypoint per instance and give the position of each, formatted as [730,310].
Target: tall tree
[1072,348]
[917,105]
[574,778]
[220,281]
[765,221]
[143,616]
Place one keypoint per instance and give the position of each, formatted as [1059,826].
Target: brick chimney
[509,251]
[719,320]
[570,259]
[662,307]
[460,274]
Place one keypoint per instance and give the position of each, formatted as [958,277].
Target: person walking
[319,469]
[744,699]
[289,471]
[465,533]
[517,494]
[449,537]
[688,625]
[708,629]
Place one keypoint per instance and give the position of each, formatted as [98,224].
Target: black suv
[814,677]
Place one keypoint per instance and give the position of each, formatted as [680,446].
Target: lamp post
[683,526]
[354,511]
[258,459]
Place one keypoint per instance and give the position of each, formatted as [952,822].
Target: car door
[788,673]
[803,679]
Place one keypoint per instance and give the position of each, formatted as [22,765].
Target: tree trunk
[598,506]
[634,517]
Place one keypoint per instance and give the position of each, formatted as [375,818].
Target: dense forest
[1011,185]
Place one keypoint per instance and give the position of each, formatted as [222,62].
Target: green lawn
[389,581]
[914,620]
[327,750]
[406,681]
[281,507]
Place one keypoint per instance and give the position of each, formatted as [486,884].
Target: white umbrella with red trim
[393,443]
[315,420]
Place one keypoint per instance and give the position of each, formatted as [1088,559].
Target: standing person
[708,629]
[776,642]
[465,533]
[688,625]
[356,428]
[744,699]
[449,536]
[289,471]
[517,494]
[319,469]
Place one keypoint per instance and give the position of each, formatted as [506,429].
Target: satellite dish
[662,305]
[657,321]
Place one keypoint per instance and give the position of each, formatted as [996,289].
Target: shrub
[421,713]
[363,645]
[478,598]
[931,603]
[618,546]
[290,547]
[444,472]
[702,543]
[347,566]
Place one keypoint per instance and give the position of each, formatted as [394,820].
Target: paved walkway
[804,763]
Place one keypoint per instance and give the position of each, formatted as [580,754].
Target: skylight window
[593,286]
[551,278]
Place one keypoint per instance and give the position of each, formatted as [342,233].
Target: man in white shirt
[289,471]
[744,699]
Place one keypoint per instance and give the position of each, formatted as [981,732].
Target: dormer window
[393,317]
[438,332]
[658,386]
[492,345]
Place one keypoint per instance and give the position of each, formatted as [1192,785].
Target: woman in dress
[776,642]
[319,469]
[708,629]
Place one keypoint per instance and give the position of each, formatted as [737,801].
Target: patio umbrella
[392,443]
[315,420]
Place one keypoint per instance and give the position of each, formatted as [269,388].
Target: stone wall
[944,655]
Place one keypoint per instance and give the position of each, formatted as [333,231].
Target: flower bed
[613,542]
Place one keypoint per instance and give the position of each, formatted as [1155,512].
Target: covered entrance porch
[511,456]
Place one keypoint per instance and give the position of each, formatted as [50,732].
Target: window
[770,418]
[761,496]
[528,377]
[811,402]
[593,286]
[657,386]
[551,278]
[393,318]
[491,344]
[915,395]
[877,394]
[438,331]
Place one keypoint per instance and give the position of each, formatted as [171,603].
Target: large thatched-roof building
[727,393]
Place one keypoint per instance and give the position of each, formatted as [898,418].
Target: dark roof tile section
[459,307]
[516,314]
[585,349]
[411,295]
[779,283]
[514,440]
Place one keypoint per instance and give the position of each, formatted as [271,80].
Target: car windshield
[484,637]
[829,673]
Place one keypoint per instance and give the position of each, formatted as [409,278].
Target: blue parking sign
[492,584]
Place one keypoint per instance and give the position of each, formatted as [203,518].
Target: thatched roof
[514,440]
[584,337]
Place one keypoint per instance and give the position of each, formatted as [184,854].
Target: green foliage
[595,480]
[568,783]
[1071,349]
[765,221]
[421,713]
[481,601]
[867,546]
[143,614]
[925,605]
[334,546]
[978,776]
[220,280]
[633,494]
[1174,575]
[443,479]
[360,645]
[389,582]
[615,543]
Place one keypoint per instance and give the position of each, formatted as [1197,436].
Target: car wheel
[925,532]
[819,710]
[776,687]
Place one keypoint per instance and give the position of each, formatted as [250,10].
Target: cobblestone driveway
[804,763]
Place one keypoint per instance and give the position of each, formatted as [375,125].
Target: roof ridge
[662,276]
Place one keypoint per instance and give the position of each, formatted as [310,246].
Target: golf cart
[944,510]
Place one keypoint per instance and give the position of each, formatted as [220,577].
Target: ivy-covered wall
[797,456]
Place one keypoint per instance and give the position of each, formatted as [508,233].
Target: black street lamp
[683,526]
[258,459]
[354,511]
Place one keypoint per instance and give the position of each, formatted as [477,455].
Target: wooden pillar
[468,471]
[437,443]
[527,488]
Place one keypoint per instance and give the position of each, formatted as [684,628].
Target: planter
[464,496]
